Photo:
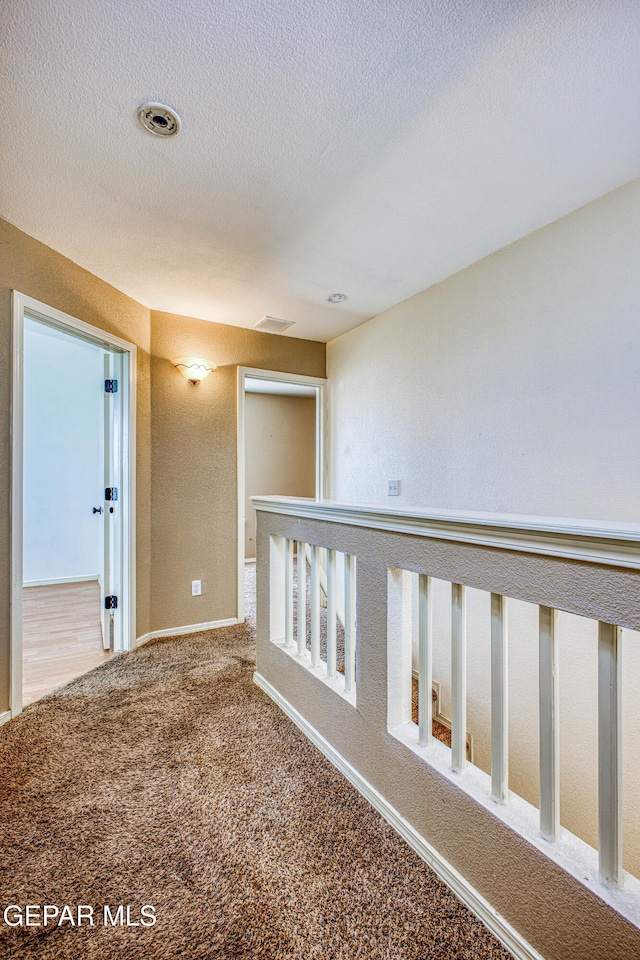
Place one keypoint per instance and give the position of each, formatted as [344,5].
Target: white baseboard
[48,583]
[5,716]
[184,630]
[250,560]
[140,641]
[497,924]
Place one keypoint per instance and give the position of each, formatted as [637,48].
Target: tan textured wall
[32,268]
[280,452]
[556,914]
[194,522]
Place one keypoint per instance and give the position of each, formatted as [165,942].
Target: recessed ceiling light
[159,119]
[337,298]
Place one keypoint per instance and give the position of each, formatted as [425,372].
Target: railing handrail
[614,543]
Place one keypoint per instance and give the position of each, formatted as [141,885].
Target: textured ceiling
[369,147]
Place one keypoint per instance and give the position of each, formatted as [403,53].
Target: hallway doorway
[280,447]
[72,498]
[63,528]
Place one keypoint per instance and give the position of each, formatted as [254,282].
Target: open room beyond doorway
[280,446]
[63,547]
[72,496]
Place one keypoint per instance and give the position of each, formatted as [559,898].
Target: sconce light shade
[194,369]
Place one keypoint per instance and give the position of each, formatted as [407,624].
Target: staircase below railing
[537,886]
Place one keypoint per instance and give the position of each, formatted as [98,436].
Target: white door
[63,450]
[116,412]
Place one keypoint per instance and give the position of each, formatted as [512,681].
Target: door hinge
[111,603]
[111,493]
[111,386]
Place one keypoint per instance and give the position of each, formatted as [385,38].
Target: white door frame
[23,305]
[318,383]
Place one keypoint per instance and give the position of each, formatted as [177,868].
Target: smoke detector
[337,297]
[159,119]
[273,325]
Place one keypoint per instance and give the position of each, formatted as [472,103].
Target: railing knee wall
[548,906]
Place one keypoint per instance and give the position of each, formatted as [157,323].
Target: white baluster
[288,593]
[549,727]
[609,754]
[499,700]
[277,588]
[349,623]
[458,676]
[302,599]
[315,606]
[331,613]
[425,646]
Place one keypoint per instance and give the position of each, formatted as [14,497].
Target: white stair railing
[549,694]
[301,599]
[425,659]
[499,700]
[349,623]
[386,644]
[609,754]
[326,590]
[458,677]
[331,615]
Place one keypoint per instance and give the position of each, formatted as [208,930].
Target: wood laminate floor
[62,636]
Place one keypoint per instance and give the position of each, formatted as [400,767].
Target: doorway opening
[72,499]
[280,447]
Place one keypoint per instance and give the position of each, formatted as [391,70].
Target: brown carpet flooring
[165,777]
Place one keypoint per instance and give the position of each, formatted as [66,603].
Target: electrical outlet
[196,588]
[393,488]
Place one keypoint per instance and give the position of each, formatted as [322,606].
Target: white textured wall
[513,386]
[63,455]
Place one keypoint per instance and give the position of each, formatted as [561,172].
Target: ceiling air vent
[273,325]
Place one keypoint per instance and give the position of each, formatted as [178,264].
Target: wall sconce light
[194,369]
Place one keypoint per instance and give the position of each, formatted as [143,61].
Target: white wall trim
[616,544]
[478,905]
[319,383]
[281,377]
[21,305]
[184,630]
[17,475]
[4,717]
[58,580]
[141,640]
